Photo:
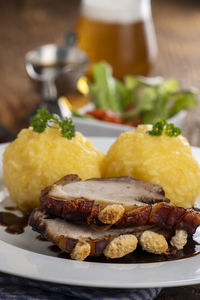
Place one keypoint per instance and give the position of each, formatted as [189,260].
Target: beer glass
[120,32]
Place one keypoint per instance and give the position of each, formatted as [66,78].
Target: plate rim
[99,284]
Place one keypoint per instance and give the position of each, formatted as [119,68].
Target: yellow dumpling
[35,160]
[163,160]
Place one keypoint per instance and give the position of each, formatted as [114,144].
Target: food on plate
[69,217]
[35,160]
[134,100]
[82,241]
[111,217]
[101,200]
[137,203]
[179,239]
[153,242]
[159,155]
[121,246]
[87,216]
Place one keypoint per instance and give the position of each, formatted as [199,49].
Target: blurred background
[173,52]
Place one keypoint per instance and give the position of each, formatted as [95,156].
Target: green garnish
[43,119]
[168,128]
[39,121]
[67,128]
[172,131]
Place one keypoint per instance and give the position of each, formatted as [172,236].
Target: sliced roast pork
[82,241]
[123,201]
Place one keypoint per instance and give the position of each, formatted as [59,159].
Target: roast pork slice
[82,241]
[101,200]
[120,190]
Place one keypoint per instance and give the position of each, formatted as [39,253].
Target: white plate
[24,255]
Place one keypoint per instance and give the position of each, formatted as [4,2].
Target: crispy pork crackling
[82,241]
[121,201]
[101,200]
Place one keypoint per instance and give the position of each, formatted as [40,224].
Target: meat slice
[122,202]
[126,190]
[82,241]
[174,217]
[102,200]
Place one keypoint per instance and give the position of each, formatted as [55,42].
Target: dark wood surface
[177,25]
[25,24]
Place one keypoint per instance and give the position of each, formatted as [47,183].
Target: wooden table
[25,24]
[177,25]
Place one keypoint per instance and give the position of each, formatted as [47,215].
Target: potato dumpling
[163,160]
[35,160]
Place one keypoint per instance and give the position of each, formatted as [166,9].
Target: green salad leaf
[107,96]
[182,100]
[149,98]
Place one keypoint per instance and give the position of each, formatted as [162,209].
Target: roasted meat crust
[78,210]
[136,217]
[87,211]
[81,241]
[64,234]
[162,214]
[65,243]
[174,217]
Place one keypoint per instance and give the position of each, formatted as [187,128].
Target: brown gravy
[54,249]
[13,223]
[139,256]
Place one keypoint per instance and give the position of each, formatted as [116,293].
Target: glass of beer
[120,32]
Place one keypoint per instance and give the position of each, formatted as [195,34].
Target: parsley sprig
[43,119]
[168,128]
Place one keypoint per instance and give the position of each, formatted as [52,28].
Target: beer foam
[116,11]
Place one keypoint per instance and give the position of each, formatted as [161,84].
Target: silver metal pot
[46,63]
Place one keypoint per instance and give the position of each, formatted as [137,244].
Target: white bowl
[102,128]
